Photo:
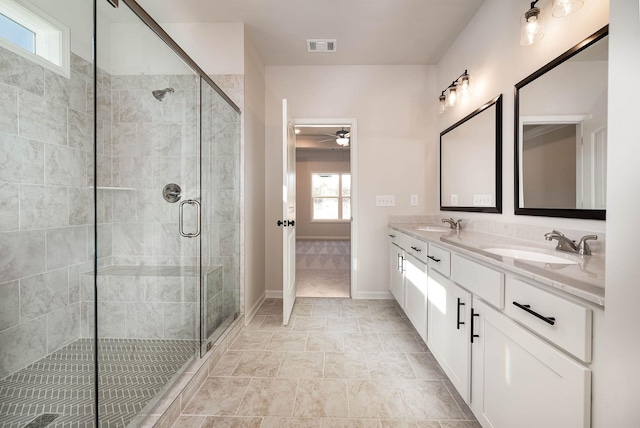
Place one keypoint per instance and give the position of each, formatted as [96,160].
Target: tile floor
[340,363]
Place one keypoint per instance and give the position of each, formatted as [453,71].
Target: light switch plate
[385,201]
[454,200]
[414,200]
[482,200]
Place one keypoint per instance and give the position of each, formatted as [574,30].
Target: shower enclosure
[119,218]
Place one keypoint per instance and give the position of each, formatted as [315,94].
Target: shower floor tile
[131,373]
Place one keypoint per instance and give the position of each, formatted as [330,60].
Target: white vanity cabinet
[519,380]
[397,266]
[448,329]
[415,307]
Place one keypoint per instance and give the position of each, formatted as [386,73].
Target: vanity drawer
[401,239]
[534,308]
[486,283]
[419,249]
[440,260]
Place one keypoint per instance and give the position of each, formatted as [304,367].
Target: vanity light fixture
[450,96]
[531,25]
[565,7]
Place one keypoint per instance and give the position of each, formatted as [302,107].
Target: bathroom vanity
[515,325]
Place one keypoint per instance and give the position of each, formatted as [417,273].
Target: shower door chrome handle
[181,221]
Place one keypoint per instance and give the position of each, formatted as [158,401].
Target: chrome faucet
[566,244]
[456,225]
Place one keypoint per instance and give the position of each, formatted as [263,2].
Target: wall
[395,138]
[622,323]
[305,166]
[489,48]
[253,180]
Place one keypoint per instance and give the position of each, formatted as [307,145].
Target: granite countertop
[584,279]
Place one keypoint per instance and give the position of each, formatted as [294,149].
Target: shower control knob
[172,193]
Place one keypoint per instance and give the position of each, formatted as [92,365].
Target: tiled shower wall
[46,210]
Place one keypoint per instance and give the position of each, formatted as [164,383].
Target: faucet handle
[583,247]
[558,233]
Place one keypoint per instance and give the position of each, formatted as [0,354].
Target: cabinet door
[397,266]
[521,381]
[415,282]
[448,337]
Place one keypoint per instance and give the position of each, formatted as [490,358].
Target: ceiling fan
[341,137]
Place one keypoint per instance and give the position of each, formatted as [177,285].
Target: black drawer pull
[416,249]
[473,315]
[434,259]
[392,236]
[527,308]
[458,322]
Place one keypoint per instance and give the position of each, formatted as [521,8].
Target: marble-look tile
[258,364]
[136,172]
[218,396]
[8,109]
[375,325]
[70,92]
[427,400]
[269,310]
[389,365]
[288,341]
[460,424]
[9,304]
[230,422]
[21,160]
[227,172]
[171,244]
[80,205]
[180,321]
[291,423]
[80,130]
[302,323]
[65,166]
[15,70]
[349,325]
[63,327]
[21,254]
[66,246]
[9,207]
[112,319]
[103,173]
[227,364]
[400,342]
[163,289]
[326,398]
[362,342]
[21,345]
[466,411]
[124,206]
[326,311]
[351,423]
[81,65]
[186,421]
[128,239]
[268,397]
[123,140]
[273,322]
[326,342]
[75,278]
[227,210]
[104,241]
[302,310]
[401,325]
[374,399]
[144,320]
[425,366]
[345,365]
[44,293]
[399,423]
[355,311]
[251,341]
[306,365]
[43,206]
[42,120]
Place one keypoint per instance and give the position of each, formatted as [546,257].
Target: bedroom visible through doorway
[323,217]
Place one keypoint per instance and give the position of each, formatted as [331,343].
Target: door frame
[352,122]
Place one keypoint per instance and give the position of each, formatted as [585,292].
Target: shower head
[160,93]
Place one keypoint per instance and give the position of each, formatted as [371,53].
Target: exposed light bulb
[465,84]
[452,96]
[531,27]
[443,102]
[565,7]
[297,130]
[342,141]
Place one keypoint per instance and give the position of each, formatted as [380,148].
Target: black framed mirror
[561,134]
[471,161]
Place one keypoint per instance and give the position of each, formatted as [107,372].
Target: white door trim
[352,122]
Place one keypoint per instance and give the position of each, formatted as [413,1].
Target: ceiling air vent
[321,45]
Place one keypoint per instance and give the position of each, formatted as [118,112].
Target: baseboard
[323,238]
[378,295]
[252,311]
[274,294]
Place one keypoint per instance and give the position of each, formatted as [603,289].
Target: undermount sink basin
[433,229]
[531,256]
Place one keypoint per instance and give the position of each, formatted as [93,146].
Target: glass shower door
[148,196]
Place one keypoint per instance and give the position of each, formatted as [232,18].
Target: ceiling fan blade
[328,139]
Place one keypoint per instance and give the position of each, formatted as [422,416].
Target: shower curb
[176,399]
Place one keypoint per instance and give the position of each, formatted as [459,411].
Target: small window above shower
[35,35]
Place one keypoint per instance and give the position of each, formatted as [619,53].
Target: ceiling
[313,139]
[368,32]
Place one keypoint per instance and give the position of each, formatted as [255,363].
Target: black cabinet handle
[434,259]
[527,308]
[458,322]
[392,236]
[473,315]
[416,249]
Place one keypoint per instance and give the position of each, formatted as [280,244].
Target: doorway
[325,201]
